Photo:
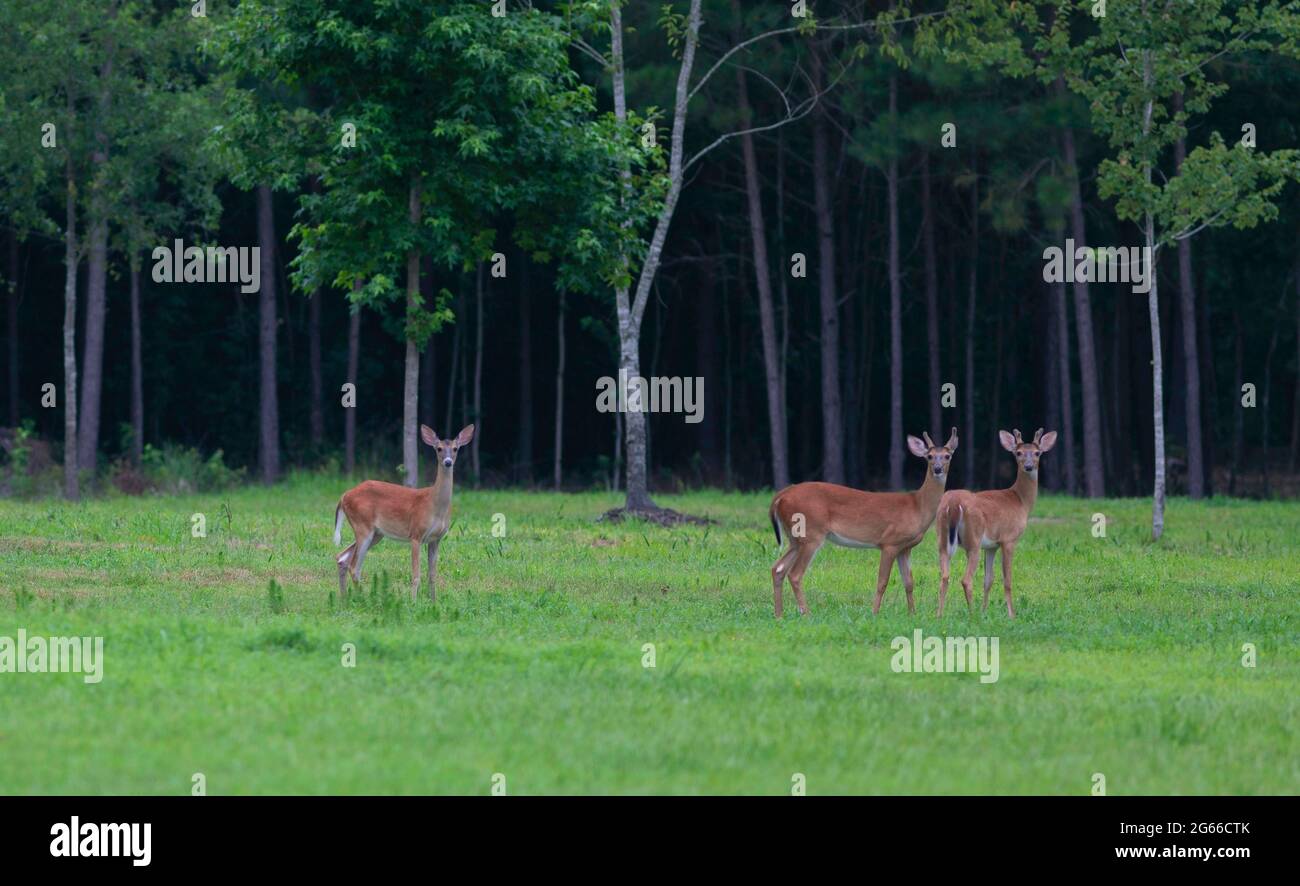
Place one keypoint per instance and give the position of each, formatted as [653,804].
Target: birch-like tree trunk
[1153,307]
[631,307]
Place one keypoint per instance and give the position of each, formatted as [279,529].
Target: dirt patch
[659,516]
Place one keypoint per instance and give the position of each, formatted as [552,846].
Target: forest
[247,238]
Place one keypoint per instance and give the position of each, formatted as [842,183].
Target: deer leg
[415,569]
[968,577]
[905,573]
[344,561]
[945,571]
[1007,552]
[363,548]
[988,576]
[433,567]
[799,567]
[779,570]
[887,556]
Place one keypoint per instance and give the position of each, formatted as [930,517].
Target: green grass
[1125,658]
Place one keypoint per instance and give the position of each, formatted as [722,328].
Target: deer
[991,521]
[378,510]
[810,514]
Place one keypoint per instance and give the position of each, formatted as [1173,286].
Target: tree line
[836,215]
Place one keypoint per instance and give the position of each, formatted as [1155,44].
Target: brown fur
[376,510]
[998,517]
[894,522]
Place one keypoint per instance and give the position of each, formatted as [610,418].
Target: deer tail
[954,527]
[776,525]
[338,523]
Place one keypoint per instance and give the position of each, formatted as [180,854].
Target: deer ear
[1008,441]
[951,445]
[917,447]
[428,436]
[1048,441]
[466,434]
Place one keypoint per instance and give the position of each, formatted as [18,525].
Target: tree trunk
[11,329]
[1093,476]
[524,446]
[92,358]
[707,366]
[1238,409]
[411,383]
[995,413]
[478,376]
[92,353]
[1210,414]
[763,279]
[454,373]
[895,313]
[354,358]
[559,395]
[968,464]
[1069,460]
[931,298]
[1295,408]
[316,420]
[429,356]
[1157,388]
[71,478]
[832,413]
[269,409]
[631,310]
[1053,469]
[1191,362]
[137,367]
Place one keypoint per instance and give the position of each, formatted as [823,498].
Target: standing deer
[895,522]
[379,510]
[991,520]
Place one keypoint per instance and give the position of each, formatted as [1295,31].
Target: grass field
[1125,660]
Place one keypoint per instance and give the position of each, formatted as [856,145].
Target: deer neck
[1026,488]
[440,494]
[931,491]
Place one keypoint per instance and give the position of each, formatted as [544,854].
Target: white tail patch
[338,526]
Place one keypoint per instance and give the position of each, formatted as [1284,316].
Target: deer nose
[446,462]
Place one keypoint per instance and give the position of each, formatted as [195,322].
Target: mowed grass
[1125,660]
